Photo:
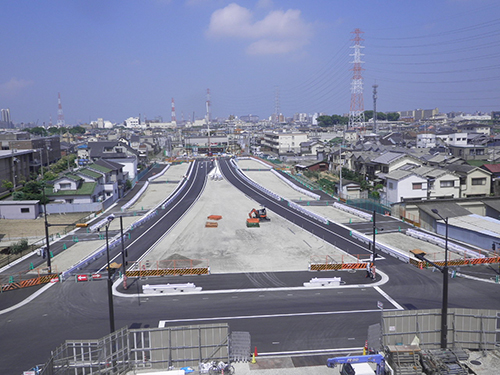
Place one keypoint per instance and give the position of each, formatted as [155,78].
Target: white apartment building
[454,139]
[133,122]
[282,143]
[426,140]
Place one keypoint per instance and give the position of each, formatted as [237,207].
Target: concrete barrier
[323,282]
[170,288]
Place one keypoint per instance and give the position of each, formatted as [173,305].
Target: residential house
[494,169]
[402,185]
[74,190]
[112,151]
[441,183]
[391,161]
[474,181]
[311,148]
[348,190]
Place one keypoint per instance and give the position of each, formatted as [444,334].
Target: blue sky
[119,58]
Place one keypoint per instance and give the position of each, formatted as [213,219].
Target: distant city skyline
[120,59]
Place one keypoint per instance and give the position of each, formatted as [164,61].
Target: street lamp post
[444,270]
[110,282]
[124,268]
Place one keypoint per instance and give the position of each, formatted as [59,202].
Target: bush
[19,247]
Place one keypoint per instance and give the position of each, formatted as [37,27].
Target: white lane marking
[27,300]
[388,298]
[241,317]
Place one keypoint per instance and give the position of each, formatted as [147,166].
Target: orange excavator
[259,214]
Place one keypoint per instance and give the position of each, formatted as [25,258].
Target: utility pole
[375,129]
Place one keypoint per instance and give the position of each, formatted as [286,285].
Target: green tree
[33,190]
[393,116]
[53,130]
[19,247]
[38,130]
[49,176]
[8,184]
[325,121]
[77,130]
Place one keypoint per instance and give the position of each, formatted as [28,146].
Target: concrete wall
[16,210]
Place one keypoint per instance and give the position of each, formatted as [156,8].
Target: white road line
[388,298]
[241,317]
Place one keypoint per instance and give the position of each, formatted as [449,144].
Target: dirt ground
[14,230]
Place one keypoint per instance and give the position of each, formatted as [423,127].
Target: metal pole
[374,252]
[110,288]
[124,269]
[47,241]
[41,162]
[444,310]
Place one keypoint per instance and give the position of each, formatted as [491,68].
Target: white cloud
[14,86]
[278,32]
[265,4]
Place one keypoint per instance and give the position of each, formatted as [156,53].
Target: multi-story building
[283,143]
[6,115]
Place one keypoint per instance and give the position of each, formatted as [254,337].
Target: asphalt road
[281,320]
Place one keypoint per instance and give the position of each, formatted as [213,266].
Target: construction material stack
[253,223]
[445,362]
[213,224]
[404,359]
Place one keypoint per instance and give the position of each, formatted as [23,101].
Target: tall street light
[109,219]
[374,250]
[444,270]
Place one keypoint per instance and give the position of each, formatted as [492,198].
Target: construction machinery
[259,214]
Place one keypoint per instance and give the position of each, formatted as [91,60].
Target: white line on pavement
[388,298]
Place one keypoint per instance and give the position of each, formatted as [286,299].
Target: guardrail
[295,187]
[441,243]
[253,183]
[352,210]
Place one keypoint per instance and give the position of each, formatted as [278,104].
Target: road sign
[96,276]
[54,280]
[82,278]
[380,305]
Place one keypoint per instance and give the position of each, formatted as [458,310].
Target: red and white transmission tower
[60,114]
[174,118]
[356,111]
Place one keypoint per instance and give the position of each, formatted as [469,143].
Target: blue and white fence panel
[382,247]
[441,243]
[306,212]
[353,211]
[253,183]
[295,187]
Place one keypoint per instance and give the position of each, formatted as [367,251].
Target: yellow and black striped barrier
[336,266]
[456,262]
[169,272]
[14,285]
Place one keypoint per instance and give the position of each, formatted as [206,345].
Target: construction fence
[149,349]
[467,328]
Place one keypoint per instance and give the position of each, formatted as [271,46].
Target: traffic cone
[254,355]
